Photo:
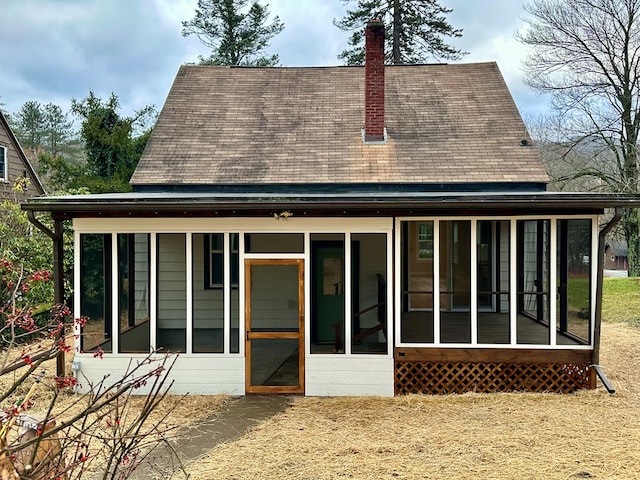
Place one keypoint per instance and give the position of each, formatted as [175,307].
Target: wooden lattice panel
[460,377]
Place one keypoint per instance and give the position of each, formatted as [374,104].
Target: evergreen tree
[236,35]
[29,125]
[58,130]
[415,30]
[113,144]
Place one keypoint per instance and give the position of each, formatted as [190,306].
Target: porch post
[58,270]
[58,281]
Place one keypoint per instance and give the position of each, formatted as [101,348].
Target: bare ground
[590,434]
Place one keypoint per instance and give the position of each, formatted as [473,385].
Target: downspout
[599,281]
[58,272]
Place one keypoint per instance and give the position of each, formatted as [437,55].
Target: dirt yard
[590,434]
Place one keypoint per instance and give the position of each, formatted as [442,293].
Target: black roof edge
[132,202]
[337,188]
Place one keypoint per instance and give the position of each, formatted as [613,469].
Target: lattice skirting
[435,378]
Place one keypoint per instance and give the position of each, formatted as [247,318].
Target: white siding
[201,375]
[348,376]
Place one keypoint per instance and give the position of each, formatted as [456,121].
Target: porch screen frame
[189,226]
[513,256]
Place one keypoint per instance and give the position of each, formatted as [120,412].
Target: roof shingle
[238,126]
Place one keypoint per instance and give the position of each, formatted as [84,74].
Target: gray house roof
[256,126]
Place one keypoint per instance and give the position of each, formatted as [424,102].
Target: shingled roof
[259,126]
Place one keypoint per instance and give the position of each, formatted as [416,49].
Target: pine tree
[236,35]
[415,30]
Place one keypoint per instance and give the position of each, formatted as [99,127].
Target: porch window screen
[95,291]
[573,307]
[327,293]
[369,293]
[416,325]
[493,281]
[133,292]
[274,242]
[455,281]
[172,292]
[533,281]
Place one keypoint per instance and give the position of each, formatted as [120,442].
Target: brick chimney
[374,82]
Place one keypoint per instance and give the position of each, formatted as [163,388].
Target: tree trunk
[397,26]
[631,227]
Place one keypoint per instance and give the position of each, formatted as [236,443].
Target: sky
[56,50]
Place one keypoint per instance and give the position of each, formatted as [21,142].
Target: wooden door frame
[273,335]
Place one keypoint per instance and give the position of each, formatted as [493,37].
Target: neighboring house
[15,168]
[615,255]
[341,231]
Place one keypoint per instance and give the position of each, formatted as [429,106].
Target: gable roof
[35,181]
[243,126]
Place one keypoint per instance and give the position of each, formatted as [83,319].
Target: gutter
[599,283]
[234,204]
[42,227]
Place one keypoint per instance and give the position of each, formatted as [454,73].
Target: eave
[388,203]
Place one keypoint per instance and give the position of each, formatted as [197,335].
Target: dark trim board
[492,355]
[354,204]
[336,188]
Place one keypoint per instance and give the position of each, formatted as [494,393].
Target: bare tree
[586,54]
[104,431]
[563,158]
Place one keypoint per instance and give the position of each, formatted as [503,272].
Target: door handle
[247,335]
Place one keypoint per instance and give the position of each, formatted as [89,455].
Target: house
[615,255]
[341,231]
[15,168]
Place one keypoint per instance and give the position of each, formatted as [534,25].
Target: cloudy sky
[55,50]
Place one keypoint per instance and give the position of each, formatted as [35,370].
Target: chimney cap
[375,22]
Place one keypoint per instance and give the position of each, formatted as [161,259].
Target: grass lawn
[590,434]
[621,300]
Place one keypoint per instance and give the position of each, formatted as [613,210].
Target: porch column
[58,280]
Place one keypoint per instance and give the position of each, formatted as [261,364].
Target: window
[214,260]
[4,167]
[425,241]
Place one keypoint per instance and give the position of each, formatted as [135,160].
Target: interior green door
[328,295]
[274,317]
